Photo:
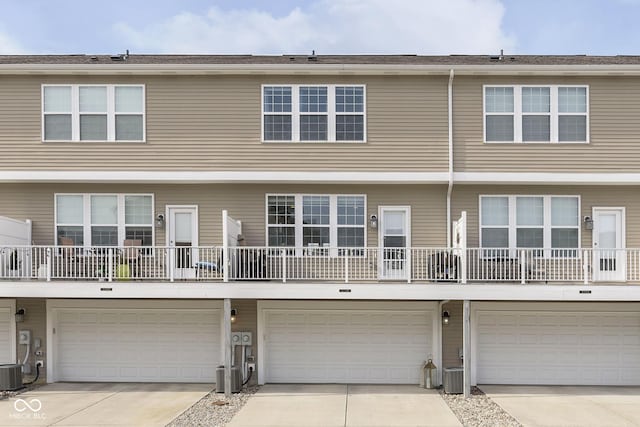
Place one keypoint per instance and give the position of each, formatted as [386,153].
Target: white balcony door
[182,238]
[395,238]
[609,257]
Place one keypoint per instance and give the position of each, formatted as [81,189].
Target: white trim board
[299,67]
[302,177]
[319,291]
[185,177]
[549,178]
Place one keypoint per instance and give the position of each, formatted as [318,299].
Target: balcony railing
[305,264]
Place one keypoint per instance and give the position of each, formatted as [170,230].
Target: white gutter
[323,69]
[450,186]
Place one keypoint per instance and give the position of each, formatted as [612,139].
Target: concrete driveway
[344,405]
[89,404]
[569,405]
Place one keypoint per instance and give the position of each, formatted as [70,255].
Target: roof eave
[320,69]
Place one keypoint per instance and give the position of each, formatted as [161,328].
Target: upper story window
[314,113]
[93,113]
[104,219]
[541,222]
[531,113]
[316,221]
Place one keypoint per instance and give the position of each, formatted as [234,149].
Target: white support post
[523,266]
[172,263]
[225,246]
[346,266]
[283,254]
[48,264]
[466,346]
[408,265]
[227,347]
[110,264]
[585,266]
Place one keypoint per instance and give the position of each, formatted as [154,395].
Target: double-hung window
[104,219]
[313,113]
[93,113]
[533,113]
[524,222]
[316,221]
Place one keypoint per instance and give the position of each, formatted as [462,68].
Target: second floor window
[533,113]
[93,113]
[313,113]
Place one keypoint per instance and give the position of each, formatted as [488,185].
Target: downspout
[450,186]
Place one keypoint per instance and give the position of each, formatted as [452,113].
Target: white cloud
[9,46]
[333,27]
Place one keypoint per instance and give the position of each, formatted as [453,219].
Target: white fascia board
[552,178]
[321,69]
[320,291]
[224,177]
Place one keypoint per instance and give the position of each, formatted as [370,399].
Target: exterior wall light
[234,314]
[588,223]
[373,221]
[160,220]
[445,318]
[20,315]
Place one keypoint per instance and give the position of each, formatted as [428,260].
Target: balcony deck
[320,264]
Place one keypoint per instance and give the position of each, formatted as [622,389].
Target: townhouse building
[355,215]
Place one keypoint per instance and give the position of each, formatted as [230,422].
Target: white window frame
[86,215]
[517,114]
[111,113]
[331,113]
[547,226]
[333,218]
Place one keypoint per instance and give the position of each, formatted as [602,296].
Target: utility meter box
[246,338]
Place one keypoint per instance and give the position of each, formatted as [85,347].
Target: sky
[424,27]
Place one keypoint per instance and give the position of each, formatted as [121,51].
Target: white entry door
[609,257]
[395,238]
[182,239]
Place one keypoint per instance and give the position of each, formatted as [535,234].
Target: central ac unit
[10,377]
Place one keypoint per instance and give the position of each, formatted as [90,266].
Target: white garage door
[7,332]
[137,344]
[356,344]
[564,347]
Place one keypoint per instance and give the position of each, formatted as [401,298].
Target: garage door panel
[145,344]
[363,346]
[594,348]
[6,335]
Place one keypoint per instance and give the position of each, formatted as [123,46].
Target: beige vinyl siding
[614,104]
[452,335]
[467,198]
[243,202]
[214,123]
[35,320]
[247,321]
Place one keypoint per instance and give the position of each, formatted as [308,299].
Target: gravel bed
[213,410]
[479,410]
[8,394]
